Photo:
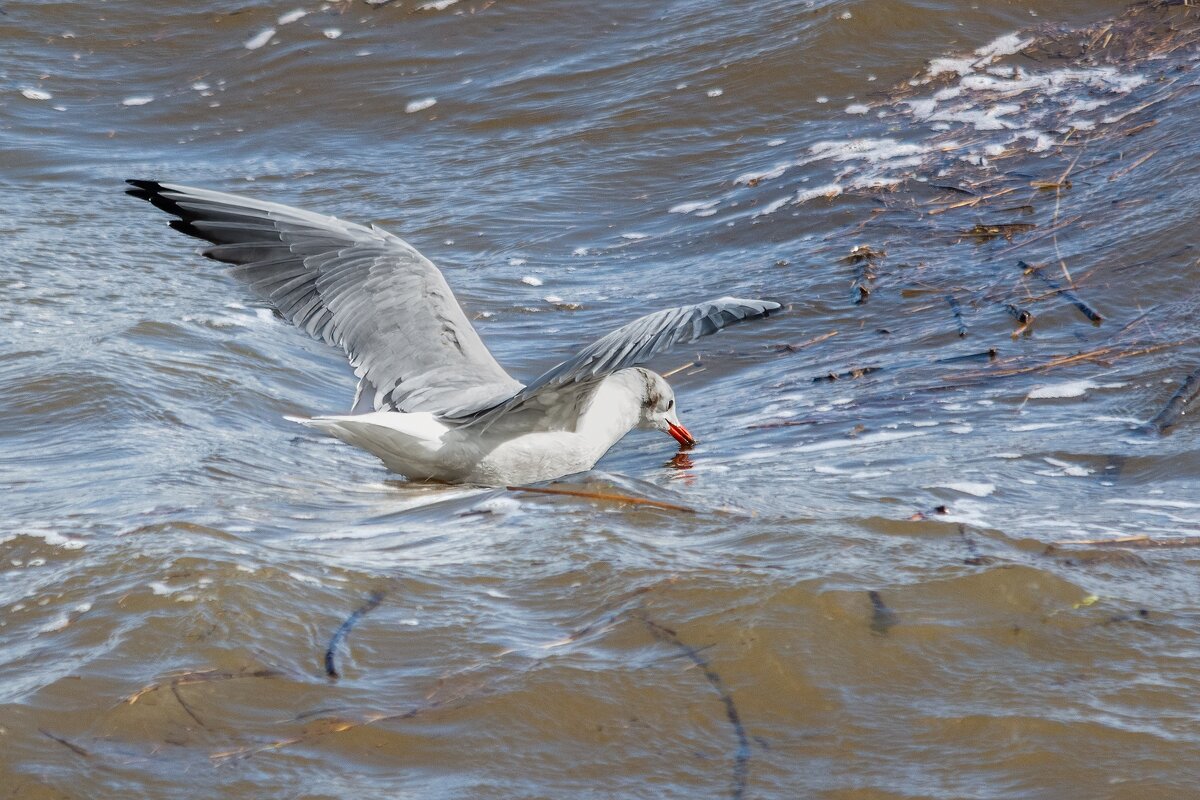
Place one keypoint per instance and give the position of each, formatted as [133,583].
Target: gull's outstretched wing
[634,344]
[359,288]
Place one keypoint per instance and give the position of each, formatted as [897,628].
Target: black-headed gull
[432,402]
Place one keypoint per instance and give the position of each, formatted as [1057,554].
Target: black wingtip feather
[184,226]
[142,190]
[152,192]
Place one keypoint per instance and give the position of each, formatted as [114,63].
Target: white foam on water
[693,205]
[332,33]
[874,151]
[858,441]
[1033,426]
[634,236]
[967,487]
[825,190]
[138,100]
[1060,390]
[1178,504]
[1021,104]
[516,262]
[497,505]
[260,39]
[36,94]
[1066,468]
[291,16]
[764,175]
[50,537]
[413,106]
[922,109]
[1041,141]
[436,5]
[298,576]
[65,619]
[940,66]
[968,512]
[774,205]
[981,119]
[530,280]
[1004,45]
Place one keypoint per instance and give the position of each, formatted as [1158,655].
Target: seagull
[432,403]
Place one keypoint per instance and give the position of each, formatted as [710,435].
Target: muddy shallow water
[893,574]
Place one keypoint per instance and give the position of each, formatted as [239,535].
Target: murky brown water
[874,598]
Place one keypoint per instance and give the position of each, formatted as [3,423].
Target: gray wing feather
[633,344]
[355,287]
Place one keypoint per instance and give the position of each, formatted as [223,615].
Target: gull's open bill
[432,402]
[681,435]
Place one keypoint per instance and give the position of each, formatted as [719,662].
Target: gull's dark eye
[670,404]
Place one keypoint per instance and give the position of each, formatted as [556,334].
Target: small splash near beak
[681,434]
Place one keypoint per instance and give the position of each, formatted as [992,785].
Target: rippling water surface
[876,594]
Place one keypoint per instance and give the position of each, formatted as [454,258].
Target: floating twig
[866,258]
[795,348]
[1042,234]
[987,355]
[857,372]
[974,201]
[183,704]
[1176,407]
[436,698]
[956,309]
[1069,294]
[74,748]
[1126,170]
[974,557]
[952,188]
[1050,185]
[786,423]
[372,602]
[200,676]
[326,727]
[1021,315]
[611,497]
[985,233]
[741,758]
[678,370]
[1102,355]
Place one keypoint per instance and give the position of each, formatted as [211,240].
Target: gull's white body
[439,406]
[554,441]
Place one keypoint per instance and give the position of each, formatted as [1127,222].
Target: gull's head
[658,408]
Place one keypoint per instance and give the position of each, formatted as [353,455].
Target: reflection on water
[938,539]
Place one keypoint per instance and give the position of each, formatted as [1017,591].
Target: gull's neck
[614,409]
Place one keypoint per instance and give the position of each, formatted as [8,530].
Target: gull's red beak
[681,434]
